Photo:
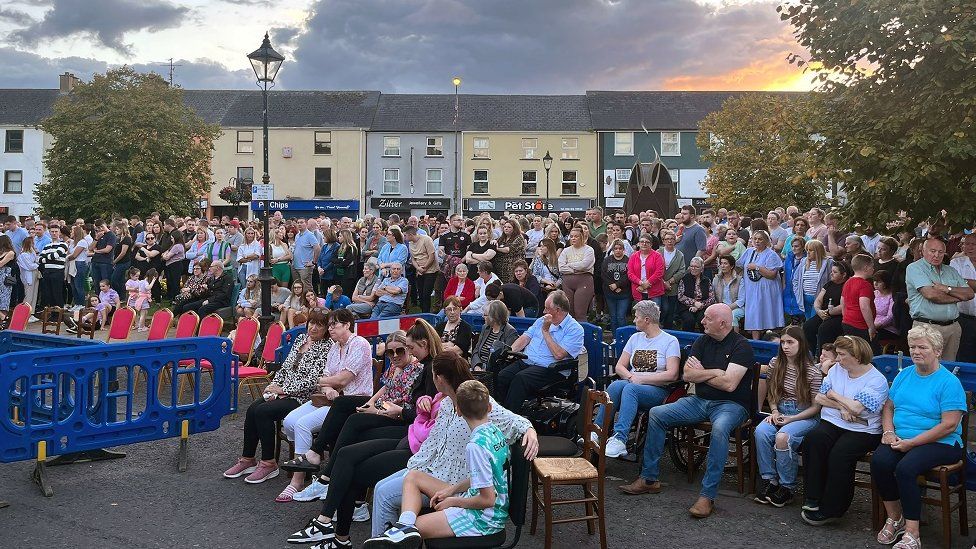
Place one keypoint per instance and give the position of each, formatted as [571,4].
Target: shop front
[308,208]
[501,206]
[405,207]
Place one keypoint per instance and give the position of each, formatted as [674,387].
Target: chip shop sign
[516,205]
[308,205]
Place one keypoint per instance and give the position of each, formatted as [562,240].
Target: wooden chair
[19,317]
[582,471]
[51,319]
[121,327]
[83,329]
[696,440]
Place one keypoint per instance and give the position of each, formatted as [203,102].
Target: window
[569,183]
[674,176]
[435,180]
[323,142]
[13,182]
[323,181]
[481,182]
[670,143]
[529,146]
[623,144]
[623,178]
[14,142]
[391,181]
[570,148]
[245,141]
[245,174]
[391,146]
[481,147]
[435,146]
[529,178]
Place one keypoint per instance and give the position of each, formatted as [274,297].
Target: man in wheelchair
[546,354]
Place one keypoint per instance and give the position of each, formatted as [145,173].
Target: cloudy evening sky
[409,46]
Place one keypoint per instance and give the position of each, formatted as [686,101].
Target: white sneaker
[33,319]
[594,439]
[615,448]
[361,513]
[315,490]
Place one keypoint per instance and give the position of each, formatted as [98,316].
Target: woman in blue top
[392,251]
[327,261]
[761,291]
[791,268]
[922,430]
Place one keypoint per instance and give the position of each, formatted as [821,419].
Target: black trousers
[819,331]
[52,288]
[895,474]
[259,425]
[173,274]
[863,334]
[519,381]
[830,455]
[967,344]
[358,467]
[425,285]
[363,427]
[691,322]
[342,409]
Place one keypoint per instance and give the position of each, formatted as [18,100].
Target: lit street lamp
[266,61]
[547,164]
[457,171]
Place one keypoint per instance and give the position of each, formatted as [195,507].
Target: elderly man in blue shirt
[392,292]
[553,337]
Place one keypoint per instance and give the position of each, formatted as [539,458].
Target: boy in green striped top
[482,509]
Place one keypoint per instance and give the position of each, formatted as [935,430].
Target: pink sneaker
[243,467]
[264,471]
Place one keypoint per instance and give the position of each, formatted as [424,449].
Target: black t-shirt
[455,244]
[832,292]
[719,354]
[107,239]
[517,298]
[476,248]
[126,243]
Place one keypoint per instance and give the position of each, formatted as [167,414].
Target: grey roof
[286,109]
[26,107]
[656,110]
[435,112]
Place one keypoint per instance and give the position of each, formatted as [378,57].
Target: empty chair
[211,326]
[19,317]
[121,326]
[159,325]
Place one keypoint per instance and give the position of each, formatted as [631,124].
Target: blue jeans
[724,415]
[100,272]
[387,496]
[386,309]
[775,464]
[78,282]
[669,309]
[808,310]
[629,400]
[618,305]
[119,277]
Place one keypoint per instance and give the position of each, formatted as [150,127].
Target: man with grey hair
[934,293]
[965,265]
[719,366]
[552,337]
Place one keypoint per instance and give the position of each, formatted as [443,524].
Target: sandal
[908,541]
[301,464]
[891,530]
[287,494]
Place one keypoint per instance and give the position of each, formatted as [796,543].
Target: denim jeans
[776,465]
[385,309]
[669,310]
[78,282]
[629,399]
[387,496]
[618,305]
[119,277]
[100,272]
[724,415]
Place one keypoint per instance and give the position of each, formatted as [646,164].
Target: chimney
[68,82]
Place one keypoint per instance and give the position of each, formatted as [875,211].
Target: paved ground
[142,501]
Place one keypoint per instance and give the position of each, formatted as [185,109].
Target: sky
[409,46]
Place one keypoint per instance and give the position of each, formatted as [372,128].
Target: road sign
[260,191]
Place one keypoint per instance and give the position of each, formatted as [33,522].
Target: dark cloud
[107,21]
[16,17]
[249,2]
[512,46]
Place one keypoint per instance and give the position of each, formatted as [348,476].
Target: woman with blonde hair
[509,248]
[29,275]
[347,256]
[545,265]
[576,267]
[811,275]
[280,257]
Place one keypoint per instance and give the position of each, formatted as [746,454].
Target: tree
[897,80]
[125,143]
[762,152]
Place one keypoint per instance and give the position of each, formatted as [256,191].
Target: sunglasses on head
[399,351]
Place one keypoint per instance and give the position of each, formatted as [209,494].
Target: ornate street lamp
[547,164]
[266,61]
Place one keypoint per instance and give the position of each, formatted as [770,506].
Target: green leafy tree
[125,143]
[761,148]
[899,81]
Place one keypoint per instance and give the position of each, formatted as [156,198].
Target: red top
[854,289]
[467,292]
[655,274]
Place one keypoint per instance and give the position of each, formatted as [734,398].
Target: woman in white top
[29,275]
[249,255]
[810,276]
[195,251]
[647,366]
[79,255]
[280,257]
[852,396]
[576,267]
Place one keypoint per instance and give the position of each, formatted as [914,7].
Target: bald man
[719,366]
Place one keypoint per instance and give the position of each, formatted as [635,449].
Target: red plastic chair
[121,325]
[186,326]
[271,343]
[251,376]
[211,325]
[159,325]
[19,317]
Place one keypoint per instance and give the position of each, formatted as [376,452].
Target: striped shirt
[788,391]
[54,255]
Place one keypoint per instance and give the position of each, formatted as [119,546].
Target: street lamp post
[547,164]
[457,170]
[266,61]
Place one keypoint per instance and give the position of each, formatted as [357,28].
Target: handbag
[319,400]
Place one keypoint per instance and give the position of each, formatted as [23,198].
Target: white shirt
[84,244]
[871,242]
[965,267]
[254,248]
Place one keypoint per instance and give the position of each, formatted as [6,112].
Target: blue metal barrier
[63,400]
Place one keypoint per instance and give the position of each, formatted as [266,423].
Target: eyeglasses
[399,351]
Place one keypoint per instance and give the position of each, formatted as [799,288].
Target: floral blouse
[398,386]
[299,374]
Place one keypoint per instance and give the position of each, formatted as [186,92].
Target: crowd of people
[429,432]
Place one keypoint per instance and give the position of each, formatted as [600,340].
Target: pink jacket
[420,428]
[655,274]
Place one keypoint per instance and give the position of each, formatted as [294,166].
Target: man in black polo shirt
[719,366]
[518,299]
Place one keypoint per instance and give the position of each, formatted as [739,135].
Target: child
[249,299]
[483,509]
[105,304]
[335,299]
[132,287]
[828,357]
[858,297]
[144,297]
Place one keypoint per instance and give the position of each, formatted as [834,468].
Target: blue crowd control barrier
[63,400]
